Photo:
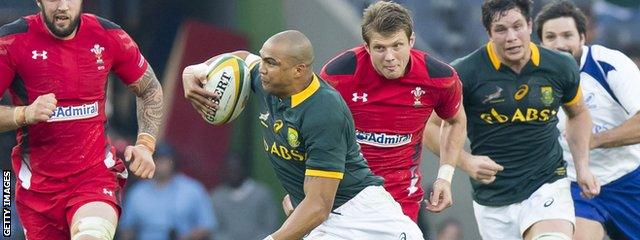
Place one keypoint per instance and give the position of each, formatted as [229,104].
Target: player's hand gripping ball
[228,77]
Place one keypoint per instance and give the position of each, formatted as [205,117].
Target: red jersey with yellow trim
[32,63]
[390,115]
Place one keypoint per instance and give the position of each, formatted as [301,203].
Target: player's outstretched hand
[481,168]
[440,198]
[588,183]
[193,78]
[287,206]
[41,109]
[142,164]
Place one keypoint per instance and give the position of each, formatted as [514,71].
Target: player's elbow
[321,210]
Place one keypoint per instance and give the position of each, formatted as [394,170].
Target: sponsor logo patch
[382,139]
[74,112]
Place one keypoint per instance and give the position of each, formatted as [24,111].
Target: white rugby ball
[229,77]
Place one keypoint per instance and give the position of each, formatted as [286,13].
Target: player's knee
[93,228]
[551,236]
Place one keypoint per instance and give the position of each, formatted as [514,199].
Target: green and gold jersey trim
[575,99]
[298,98]
[495,61]
[321,173]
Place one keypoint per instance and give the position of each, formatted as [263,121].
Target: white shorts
[371,214]
[552,201]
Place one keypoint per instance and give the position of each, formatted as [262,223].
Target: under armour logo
[36,55]
[356,97]
[108,192]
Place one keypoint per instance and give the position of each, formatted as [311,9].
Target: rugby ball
[229,77]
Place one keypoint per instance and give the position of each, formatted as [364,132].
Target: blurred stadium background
[173,34]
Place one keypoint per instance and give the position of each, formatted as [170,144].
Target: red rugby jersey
[390,115]
[33,62]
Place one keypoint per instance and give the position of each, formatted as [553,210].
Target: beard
[61,32]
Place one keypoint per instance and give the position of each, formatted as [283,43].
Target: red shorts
[410,204]
[398,184]
[48,215]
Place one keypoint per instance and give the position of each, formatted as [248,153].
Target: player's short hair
[558,9]
[492,8]
[385,18]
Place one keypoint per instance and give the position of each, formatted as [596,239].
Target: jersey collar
[298,98]
[495,61]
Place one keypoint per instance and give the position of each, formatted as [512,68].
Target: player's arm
[149,109]
[452,136]
[194,76]
[578,136]
[628,133]
[480,168]
[312,210]
[625,84]
[13,117]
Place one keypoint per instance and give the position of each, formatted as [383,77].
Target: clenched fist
[41,109]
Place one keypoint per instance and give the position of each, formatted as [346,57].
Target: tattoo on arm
[149,105]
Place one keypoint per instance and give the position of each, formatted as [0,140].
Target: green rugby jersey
[511,118]
[312,134]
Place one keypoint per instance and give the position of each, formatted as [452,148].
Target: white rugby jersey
[610,83]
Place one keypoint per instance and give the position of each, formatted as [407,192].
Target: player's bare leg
[94,221]
[588,229]
[549,229]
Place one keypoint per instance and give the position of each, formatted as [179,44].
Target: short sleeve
[325,131]
[129,64]
[571,86]
[7,71]
[625,82]
[449,99]
[463,76]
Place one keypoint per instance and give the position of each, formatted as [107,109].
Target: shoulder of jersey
[343,64]
[472,62]
[611,56]
[439,72]
[328,97]
[437,68]
[556,59]
[18,26]
[104,23]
